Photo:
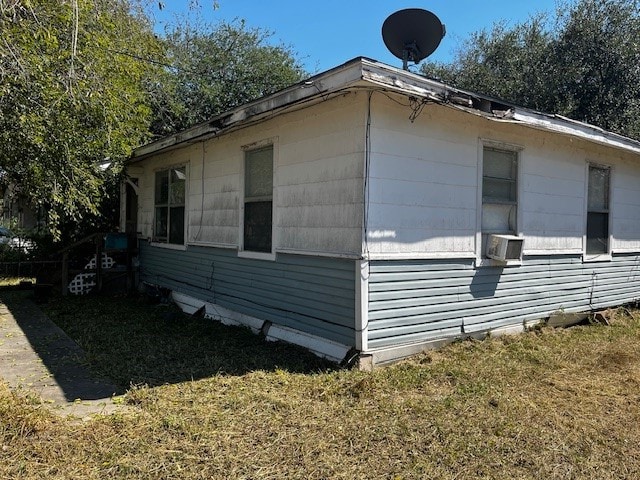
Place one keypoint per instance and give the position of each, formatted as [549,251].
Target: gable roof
[363,72]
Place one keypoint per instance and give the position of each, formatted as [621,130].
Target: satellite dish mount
[410,52]
[412,34]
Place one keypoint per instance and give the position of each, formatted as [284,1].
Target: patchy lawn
[208,401]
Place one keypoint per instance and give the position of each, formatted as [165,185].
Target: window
[169,206]
[258,199]
[598,210]
[499,192]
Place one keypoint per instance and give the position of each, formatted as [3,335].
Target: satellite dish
[412,34]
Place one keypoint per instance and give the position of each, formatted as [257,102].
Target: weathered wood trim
[362,305]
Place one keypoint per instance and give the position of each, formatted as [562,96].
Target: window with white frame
[170,194]
[598,210]
[499,192]
[258,200]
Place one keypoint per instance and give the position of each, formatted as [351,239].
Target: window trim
[481,258]
[154,239]
[271,256]
[598,257]
[170,246]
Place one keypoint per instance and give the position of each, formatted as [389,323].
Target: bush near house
[208,401]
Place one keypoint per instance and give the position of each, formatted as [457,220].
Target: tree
[599,48]
[584,63]
[71,95]
[86,81]
[216,68]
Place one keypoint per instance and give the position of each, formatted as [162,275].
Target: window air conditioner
[505,247]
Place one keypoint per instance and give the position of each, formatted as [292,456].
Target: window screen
[170,196]
[598,210]
[258,200]
[499,190]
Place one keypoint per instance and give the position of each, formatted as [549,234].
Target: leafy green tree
[599,50]
[583,63]
[71,95]
[86,81]
[215,68]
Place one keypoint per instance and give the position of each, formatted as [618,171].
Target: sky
[327,33]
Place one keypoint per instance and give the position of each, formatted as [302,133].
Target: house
[353,212]
[16,210]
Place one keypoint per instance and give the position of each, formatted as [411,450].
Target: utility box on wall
[115,241]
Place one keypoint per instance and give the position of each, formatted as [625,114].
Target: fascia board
[318,86]
[566,126]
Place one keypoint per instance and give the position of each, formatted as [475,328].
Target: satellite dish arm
[410,52]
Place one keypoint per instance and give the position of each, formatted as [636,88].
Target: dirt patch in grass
[216,402]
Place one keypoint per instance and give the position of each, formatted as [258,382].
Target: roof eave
[566,126]
[409,83]
[318,86]
[363,71]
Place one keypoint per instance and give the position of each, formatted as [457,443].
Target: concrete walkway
[36,355]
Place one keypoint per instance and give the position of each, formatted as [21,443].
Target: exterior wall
[425,178]
[422,182]
[318,180]
[16,212]
[422,300]
[145,172]
[626,211]
[427,278]
[421,227]
[311,294]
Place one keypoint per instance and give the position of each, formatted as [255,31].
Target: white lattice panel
[83,283]
[107,262]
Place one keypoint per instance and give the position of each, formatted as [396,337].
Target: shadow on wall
[485,281]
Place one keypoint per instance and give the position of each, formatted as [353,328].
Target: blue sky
[326,33]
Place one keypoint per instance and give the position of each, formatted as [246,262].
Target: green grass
[208,401]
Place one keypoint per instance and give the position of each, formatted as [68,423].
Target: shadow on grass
[135,343]
[36,353]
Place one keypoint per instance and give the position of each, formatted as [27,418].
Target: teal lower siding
[409,300]
[418,300]
[315,295]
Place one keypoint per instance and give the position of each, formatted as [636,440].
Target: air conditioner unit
[505,247]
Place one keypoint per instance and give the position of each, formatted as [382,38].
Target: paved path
[36,355]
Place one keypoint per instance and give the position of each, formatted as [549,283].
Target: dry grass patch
[15,281]
[546,404]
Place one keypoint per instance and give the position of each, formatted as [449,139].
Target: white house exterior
[351,212]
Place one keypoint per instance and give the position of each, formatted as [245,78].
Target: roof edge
[409,83]
[320,85]
[376,74]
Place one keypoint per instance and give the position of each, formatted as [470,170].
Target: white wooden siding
[422,184]
[625,222]
[552,195]
[423,187]
[319,168]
